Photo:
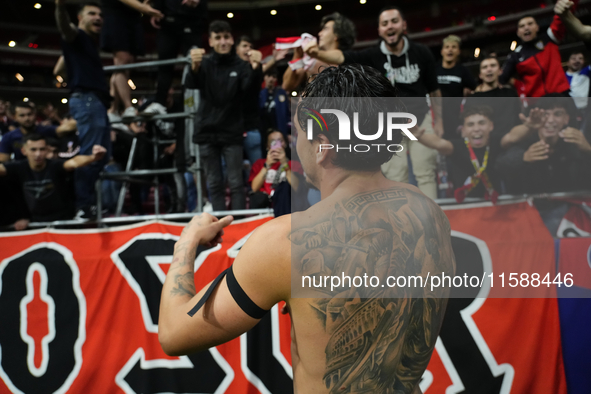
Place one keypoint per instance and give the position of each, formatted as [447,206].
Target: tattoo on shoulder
[381,339]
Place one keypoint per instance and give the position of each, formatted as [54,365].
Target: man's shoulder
[16,166]
[14,134]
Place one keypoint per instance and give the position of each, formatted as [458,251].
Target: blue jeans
[191,191]
[252,146]
[111,188]
[93,129]
[211,154]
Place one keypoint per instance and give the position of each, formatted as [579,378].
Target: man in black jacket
[223,78]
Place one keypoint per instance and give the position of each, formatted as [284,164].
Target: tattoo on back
[381,338]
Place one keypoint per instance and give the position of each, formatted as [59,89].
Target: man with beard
[578,78]
[411,68]
[344,339]
[537,62]
[90,98]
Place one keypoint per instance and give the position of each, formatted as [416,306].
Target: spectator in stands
[6,122]
[123,36]
[12,142]
[578,78]
[412,69]
[454,81]
[553,157]
[336,32]
[223,79]
[245,45]
[273,172]
[537,61]
[503,99]
[90,98]
[252,121]
[43,181]
[51,116]
[180,29]
[471,158]
[274,105]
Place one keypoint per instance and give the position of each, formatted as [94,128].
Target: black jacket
[223,81]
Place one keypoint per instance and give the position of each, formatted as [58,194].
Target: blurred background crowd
[500,90]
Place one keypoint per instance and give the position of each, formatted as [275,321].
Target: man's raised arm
[67,29]
[572,23]
[332,56]
[257,270]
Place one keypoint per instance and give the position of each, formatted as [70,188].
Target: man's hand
[155,22]
[536,152]
[536,119]
[98,152]
[254,57]
[562,6]
[205,229]
[190,3]
[281,156]
[575,136]
[312,48]
[21,224]
[146,9]
[196,58]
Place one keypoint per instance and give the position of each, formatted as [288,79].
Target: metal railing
[130,175]
[443,202]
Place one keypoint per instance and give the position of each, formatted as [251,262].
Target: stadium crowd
[518,127]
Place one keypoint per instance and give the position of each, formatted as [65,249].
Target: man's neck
[570,70]
[38,168]
[331,46]
[89,32]
[550,140]
[26,130]
[396,48]
[490,86]
[336,178]
[447,65]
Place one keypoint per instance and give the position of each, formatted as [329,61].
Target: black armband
[241,298]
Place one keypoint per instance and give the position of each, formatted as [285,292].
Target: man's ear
[23,151]
[324,150]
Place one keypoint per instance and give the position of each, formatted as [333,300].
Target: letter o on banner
[66,319]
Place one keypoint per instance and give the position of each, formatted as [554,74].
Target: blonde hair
[452,38]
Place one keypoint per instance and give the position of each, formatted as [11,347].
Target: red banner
[80,310]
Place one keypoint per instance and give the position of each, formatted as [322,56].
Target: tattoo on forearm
[184,285]
[380,344]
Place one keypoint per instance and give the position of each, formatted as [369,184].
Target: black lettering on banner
[62,355]
[461,347]
[267,369]
[205,372]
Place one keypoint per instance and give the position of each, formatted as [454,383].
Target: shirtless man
[336,32]
[344,339]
